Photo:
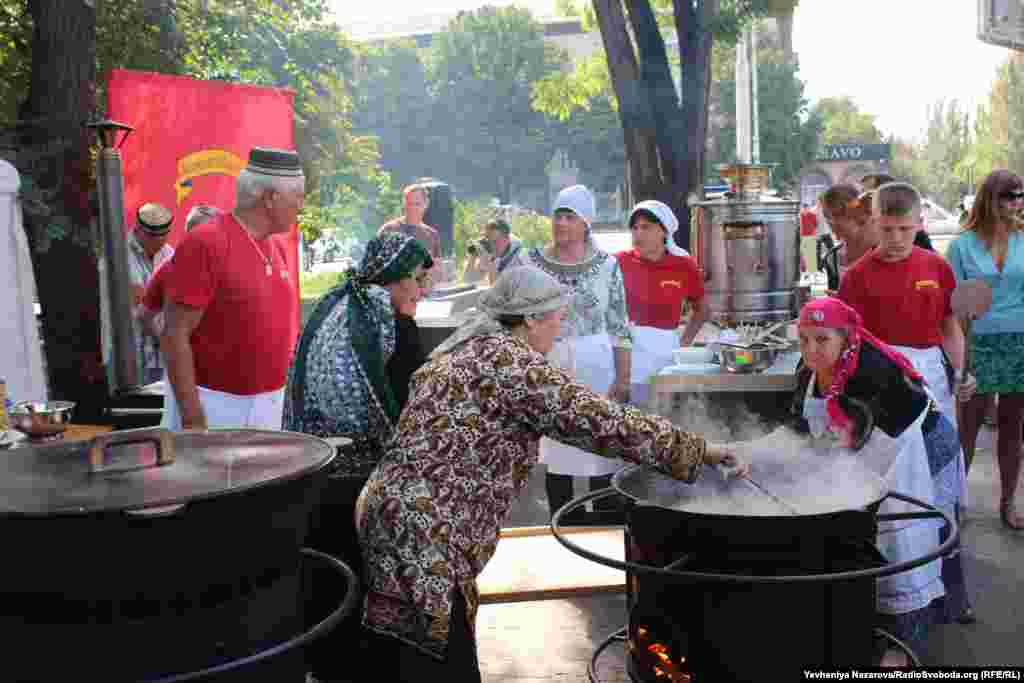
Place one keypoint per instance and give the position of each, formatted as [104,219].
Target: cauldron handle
[163,439]
[897,516]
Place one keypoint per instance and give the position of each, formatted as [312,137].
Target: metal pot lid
[150,468]
[792,476]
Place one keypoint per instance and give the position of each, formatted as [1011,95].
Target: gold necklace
[266,259]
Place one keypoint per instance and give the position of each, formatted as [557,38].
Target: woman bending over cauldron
[858,390]
[430,514]
[350,378]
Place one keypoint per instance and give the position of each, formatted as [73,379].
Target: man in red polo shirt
[658,277]
[231,306]
[903,294]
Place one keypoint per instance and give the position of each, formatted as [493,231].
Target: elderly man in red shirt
[231,305]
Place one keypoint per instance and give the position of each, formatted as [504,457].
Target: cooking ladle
[730,472]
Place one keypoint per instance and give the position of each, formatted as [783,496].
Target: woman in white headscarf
[659,277]
[430,513]
[593,345]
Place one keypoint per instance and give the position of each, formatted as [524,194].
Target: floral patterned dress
[431,512]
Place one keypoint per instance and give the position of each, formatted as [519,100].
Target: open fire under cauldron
[755,588]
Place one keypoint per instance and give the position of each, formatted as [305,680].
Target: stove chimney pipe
[123,370]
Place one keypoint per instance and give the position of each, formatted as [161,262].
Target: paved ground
[552,641]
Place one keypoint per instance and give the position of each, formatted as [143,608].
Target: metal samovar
[747,246]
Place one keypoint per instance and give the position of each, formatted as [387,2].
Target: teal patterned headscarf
[389,258]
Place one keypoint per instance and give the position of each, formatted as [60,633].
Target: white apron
[589,360]
[929,362]
[652,352]
[903,464]
[229,411]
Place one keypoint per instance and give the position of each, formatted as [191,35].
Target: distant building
[835,164]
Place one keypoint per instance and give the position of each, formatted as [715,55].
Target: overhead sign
[853,152]
[1001,22]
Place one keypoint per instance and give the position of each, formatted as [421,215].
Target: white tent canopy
[21,358]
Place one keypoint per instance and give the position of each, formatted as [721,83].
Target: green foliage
[531,228]
[479,72]
[789,131]
[138,34]
[945,146]
[845,123]
[312,287]
[582,9]
[392,103]
[560,94]
[15,57]
[985,154]
[286,45]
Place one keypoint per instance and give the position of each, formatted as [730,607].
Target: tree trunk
[634,106]
[695,41]
[61,98]
[656,77]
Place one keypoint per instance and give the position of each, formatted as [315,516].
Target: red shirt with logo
[244,341]
[655,290]
[903,302]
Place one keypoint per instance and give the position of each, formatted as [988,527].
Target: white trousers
[229,411]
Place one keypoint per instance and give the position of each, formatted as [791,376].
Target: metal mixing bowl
[41,418]
[748,359]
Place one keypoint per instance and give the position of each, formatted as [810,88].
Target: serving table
[701,378]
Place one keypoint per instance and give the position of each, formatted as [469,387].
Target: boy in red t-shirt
[903,294]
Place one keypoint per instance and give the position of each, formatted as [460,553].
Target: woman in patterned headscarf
[350,378]
[430,514]
[855,387]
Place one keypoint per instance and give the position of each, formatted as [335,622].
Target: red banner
[191,140]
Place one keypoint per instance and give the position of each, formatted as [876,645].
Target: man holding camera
[504,247]
[479,265]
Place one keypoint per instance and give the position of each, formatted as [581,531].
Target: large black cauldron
[747,597]
[145,554]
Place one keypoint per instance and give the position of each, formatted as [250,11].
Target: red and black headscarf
[831,313]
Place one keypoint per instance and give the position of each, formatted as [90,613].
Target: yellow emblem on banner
[926,284]
[206,162]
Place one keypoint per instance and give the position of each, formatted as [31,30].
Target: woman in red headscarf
[856,389]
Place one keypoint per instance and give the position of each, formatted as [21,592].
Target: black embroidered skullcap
[274,162]
[154,218]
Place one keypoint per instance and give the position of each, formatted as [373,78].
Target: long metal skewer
[792,510]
